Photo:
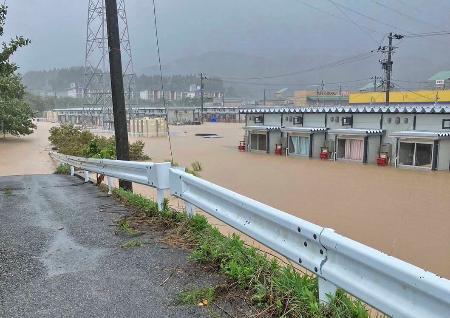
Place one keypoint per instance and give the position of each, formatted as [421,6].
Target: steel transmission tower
[96,82]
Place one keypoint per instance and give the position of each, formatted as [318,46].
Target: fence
[388,284]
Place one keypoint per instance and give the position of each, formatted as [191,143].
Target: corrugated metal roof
[261,127]
[356,131]
[303,129]
[421,134]
[433,109]
[442,75]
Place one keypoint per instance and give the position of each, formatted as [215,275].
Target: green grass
[7,192]
[281,290]
[131,244]
[124,227]
[204,296]
[63,168]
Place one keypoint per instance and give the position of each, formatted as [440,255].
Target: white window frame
[415,142]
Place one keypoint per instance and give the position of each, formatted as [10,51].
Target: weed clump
[200,296]
[63,168]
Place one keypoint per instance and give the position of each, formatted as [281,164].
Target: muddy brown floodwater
[404,213]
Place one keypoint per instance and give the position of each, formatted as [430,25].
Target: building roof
[261,127]
[421,134]
[320,98]
[303,129]
[281,91]
[356,131]
[425,109]
[442,75]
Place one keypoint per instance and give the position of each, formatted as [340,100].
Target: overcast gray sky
[267,28]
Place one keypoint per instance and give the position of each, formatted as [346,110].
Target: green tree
[16,116]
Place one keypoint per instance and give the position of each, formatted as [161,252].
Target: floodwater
[404,213]
[26,155]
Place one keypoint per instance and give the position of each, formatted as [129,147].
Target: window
[259,119]
[298,120]
[299,145]
[336,119]
[347,121]
[290,119]
[405,120]
[397,120]
[389,120]
[332,119]
[416,154]
[445,123]
[258,142]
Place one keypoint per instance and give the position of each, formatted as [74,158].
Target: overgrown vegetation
[124,227]
[74,141]
[279,290]
[63,168]
[194,169]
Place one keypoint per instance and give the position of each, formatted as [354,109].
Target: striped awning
[356,131]
[420,134]
[304,129]
[418,109]
[264,128]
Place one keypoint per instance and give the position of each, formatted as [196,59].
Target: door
[354,149]
[299,145]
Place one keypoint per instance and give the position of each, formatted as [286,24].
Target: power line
[403,14]
[415,93]
[426,34]
[360,27]
[295,84]
[347,60]
[366,16]
[161,78]
[332,15]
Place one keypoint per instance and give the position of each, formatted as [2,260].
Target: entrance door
[258,142]
[351,149]
[299,145]
[416,154]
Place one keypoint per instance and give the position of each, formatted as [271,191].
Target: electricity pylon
[96,81]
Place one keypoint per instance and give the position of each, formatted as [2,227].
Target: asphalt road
[59,256]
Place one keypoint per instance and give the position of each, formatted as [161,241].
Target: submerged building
[403,136]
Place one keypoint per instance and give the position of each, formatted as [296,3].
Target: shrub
[63,168]
[74,141]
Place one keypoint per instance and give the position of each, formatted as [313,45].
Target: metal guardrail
[388,284]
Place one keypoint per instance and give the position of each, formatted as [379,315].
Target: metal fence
[386,283]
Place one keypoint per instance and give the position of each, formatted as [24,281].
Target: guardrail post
[110,185]
[189,209]
[160,198]
[72,171]
[86,176]
[326,288]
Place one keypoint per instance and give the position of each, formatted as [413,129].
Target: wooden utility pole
[118,98]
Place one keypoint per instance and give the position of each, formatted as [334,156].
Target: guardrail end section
[72,171]
[86,176]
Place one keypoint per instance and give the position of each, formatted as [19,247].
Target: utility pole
[202,77]
[264,99]
[375,86]
[389,69]
[118,98]
[387,63]
[323,97]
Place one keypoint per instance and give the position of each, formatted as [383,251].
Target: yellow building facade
[421,96]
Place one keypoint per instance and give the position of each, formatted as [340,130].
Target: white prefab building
[407,136]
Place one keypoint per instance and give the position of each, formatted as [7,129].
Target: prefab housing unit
[409,136]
